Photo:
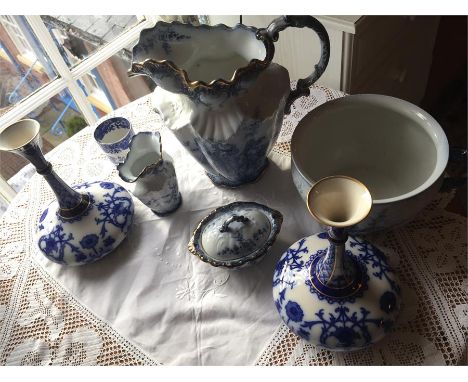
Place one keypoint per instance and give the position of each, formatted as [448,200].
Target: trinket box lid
[236,234]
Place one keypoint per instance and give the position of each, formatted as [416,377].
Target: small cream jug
[152,172]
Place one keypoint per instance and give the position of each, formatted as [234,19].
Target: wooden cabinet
[369,54]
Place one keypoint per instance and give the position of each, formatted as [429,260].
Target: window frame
[67,78]
[15,34]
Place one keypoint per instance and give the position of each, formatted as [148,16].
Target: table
[151,302]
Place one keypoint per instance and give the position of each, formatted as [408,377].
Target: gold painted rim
[254,64]
[143,67]
[275,214]
[334,177]
[146,168]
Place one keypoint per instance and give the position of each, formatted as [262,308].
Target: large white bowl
[394,147]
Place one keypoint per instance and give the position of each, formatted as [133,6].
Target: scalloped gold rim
[253,64]
[146,168]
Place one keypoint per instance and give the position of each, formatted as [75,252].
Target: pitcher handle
[283,22]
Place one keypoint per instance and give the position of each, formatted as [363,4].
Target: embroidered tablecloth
[152,302]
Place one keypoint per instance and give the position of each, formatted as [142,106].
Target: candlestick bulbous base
[333,290]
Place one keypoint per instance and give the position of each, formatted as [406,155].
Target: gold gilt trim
[335,177]
[147,168]
[253,65]
[276,217]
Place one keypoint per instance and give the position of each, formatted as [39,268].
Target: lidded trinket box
[236,235]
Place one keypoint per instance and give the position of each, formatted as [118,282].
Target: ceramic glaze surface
[153,173]
[219,93]
[91,235]
[229,238]
[230,140]
[85,222]
[113,136]
[236,235]
[402,150]
[338,323]
[339,201]
[159,189]
[205,54]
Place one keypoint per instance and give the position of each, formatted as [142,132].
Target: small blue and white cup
[114,136]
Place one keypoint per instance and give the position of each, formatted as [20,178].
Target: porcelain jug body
[219,92]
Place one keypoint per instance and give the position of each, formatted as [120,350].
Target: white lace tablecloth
[152,302]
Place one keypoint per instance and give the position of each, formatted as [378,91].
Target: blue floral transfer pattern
[241,249]
[116,151]
[347,323]
[91,235]
[164,198]
[229,160]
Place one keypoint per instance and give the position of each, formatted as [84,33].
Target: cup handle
[283,22]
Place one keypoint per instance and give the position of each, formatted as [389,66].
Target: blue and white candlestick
[333,290]
[87,221]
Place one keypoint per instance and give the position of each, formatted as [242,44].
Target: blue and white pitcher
[219,92]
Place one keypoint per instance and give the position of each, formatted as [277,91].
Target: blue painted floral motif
[242,157]
[294,311]
[41,219]
[156,46]
[108,241]
[323,235]
[244,246]
[376,259]
[86,212]
[221,218]
[336,323]
[338,330]
[345,328]
[110,125]
[338,292]
[117,150]
[106,185]
[168,199]
[89,241]
[292,258]
[169,36]
[55,244]
[43,215]
[116,208]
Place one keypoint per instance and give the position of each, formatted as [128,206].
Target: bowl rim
[432,127]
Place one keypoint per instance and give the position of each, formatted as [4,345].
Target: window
[66,72]
[23,69]
[80,36]
[58,70]
[12,28]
